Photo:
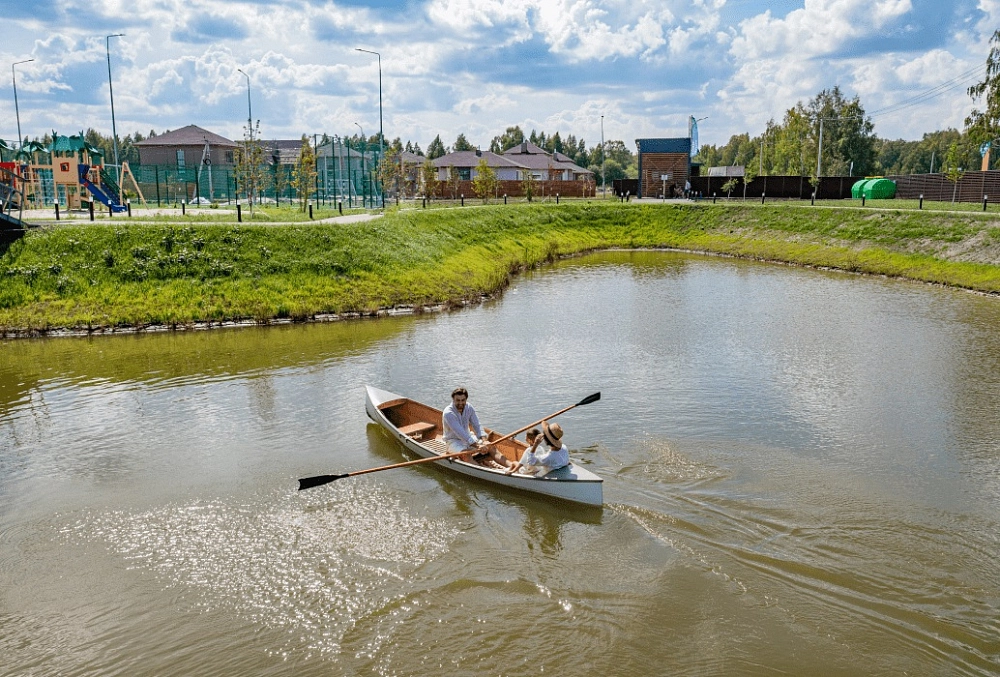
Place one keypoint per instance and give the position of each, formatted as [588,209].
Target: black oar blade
[319,480]
[589,399]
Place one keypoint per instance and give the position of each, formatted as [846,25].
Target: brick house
[663,164]
[187,147]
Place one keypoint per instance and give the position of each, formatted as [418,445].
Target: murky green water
[802,476]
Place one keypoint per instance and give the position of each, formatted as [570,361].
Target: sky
[477,67]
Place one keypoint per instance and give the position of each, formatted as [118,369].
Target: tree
[390,170]
[429,179]
[436,149]
[485,183]
[923,156]
[555,144]
[984,125]
[952,170]
[513,136]
[280,180]
[452,181]
[304,173]
[749,174]
[792,146]
[728,186]
[529,186]
[613,171]
[847,132]
[250,171]
[461,143]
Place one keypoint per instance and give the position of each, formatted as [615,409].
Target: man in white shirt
[462,431]
[541,463]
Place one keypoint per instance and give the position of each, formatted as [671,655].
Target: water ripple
[312,568]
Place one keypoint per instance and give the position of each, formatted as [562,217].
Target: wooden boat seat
[417,430]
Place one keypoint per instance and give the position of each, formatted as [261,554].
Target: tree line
[849,145]
[832,135]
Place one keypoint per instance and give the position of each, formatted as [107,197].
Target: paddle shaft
[309,482]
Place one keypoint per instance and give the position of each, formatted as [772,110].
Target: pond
[801,475]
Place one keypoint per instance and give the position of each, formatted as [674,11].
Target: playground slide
[100,192]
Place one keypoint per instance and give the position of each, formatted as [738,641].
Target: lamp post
[249,108]
[364,151]
[17,114]
[693,138]
[111,91]
[381,137]
[604,182]
[248,159]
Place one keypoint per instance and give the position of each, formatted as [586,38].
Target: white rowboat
[418,427]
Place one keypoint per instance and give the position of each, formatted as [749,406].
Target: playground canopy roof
[192,135]
[74,143]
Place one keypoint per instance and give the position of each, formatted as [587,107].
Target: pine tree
[436,148]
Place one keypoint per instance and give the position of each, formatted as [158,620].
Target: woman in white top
[541,463]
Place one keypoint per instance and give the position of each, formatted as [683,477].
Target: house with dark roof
[546,166]
[189,146]
[465,162]
[283,151]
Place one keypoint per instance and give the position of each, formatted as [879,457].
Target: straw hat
[553,434]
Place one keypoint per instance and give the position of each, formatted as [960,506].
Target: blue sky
[479,66]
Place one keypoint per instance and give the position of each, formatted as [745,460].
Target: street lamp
[249,109]
[111,91]
[604,182]
[381,137]
[13,77]
[248,180]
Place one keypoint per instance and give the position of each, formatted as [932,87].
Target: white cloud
[478,66]
[820,27]
[579,30]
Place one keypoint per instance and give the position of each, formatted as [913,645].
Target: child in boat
[541,463]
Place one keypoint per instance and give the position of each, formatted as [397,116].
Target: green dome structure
[874,189]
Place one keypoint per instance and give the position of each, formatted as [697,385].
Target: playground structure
[69,172]
[12,225]
[72,173]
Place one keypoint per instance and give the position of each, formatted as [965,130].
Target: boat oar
[319,480]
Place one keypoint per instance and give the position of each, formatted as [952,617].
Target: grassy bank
[170,274]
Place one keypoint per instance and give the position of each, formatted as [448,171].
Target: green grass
[127,274]
[202,214]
